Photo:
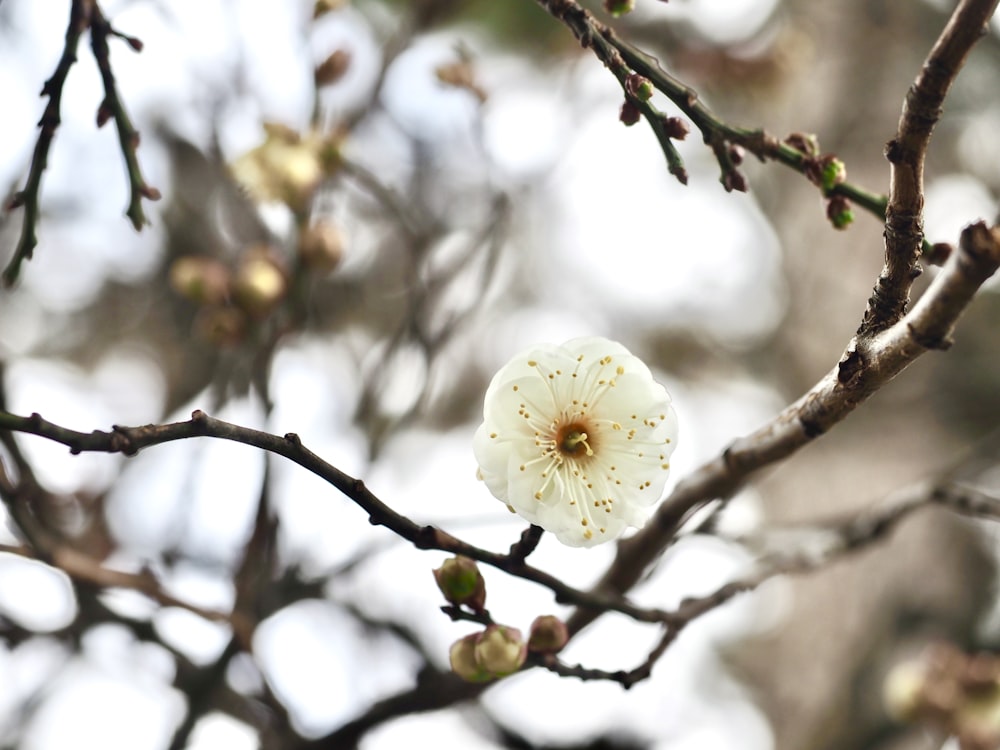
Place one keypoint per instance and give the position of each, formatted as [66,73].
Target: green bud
[618,7]
[833,172]
[838,211]
[639,86]
[461,582]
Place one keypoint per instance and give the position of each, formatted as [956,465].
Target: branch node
[850,366]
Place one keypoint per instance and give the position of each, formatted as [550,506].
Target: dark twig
[622,58]
[79,20]
[84,14]
[524,546]
[904,231]
[130,440]
[112,106]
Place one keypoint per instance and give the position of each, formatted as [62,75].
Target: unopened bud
[676,128]
[832,171]
[321,246]
[501,650]
[259,284]
[332,69]
[199,279]
[807,143]
[548,635]
[838,211]
[639,86]
[733,179]
[134,42]
[903,689]
[618,7]
[629,113]
[104,113]
[462,656]
[461,582]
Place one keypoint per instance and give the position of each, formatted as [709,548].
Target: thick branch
[904,230]
[864,368]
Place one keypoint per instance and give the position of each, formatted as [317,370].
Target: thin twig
[621,57]
[112,106]
[84,14]
[130,440]
[79,20]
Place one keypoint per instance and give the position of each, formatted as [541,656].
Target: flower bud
[321,246]
[501,650]
[259,284]
[548,635]
[461,582]
[838,211]
[903,691]
[832,172]
[618,7]
[639,86]
[733,179]
[200,279]
[676,128]
[807,143]
[629,113]
[462,656]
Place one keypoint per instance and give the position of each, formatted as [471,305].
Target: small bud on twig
[838,211]
[462,656]
[832,172]
[807,143]
[461,582]
[619,7]
[639,86]
[501,650]
[104,113]
[321,246]
[733,179]
[676,128]
[548,635]
[629,113]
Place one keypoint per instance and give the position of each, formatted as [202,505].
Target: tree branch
[904,230]
[130,440]
[79,20]
[864,368]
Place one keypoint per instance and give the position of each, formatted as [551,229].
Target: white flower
[577,439]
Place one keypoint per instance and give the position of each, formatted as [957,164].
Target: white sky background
[610,262]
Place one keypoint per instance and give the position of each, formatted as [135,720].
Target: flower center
[572,440]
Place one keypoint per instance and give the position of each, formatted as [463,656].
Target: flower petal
[577,439]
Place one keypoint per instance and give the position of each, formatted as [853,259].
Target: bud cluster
[951,690]
[231,297]
[498,650]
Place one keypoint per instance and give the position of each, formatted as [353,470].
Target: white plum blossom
[577,439]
